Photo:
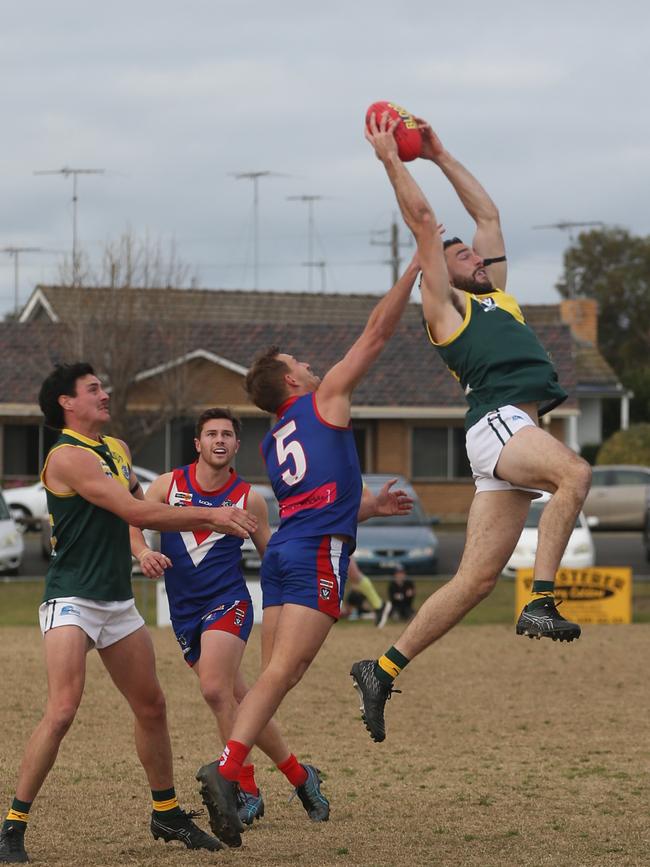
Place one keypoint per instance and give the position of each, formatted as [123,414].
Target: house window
[20,455]
[438,453]
[249,462]
[364,440]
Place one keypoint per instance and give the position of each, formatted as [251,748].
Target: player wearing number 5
[313,466]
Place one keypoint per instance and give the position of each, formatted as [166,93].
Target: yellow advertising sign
[596,595]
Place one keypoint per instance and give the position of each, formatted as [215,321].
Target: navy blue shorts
[235,617]
[310,572]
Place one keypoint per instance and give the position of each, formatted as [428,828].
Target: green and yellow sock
[540,592]
[389,665]
[18,815]
[165,802]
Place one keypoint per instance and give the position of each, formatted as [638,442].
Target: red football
[407,134]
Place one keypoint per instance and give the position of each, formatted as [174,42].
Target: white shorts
[103,622]
[485,441]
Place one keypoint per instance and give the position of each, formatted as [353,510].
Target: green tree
[631,446]
[613,266]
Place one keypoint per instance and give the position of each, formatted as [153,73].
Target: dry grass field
[500,751]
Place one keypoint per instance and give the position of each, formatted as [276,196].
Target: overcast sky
[547,103]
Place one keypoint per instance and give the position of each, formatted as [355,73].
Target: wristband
[143,554]
[494,259]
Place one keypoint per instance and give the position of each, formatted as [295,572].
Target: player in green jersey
[93,496]
[509,381]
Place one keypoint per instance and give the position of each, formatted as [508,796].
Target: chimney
[581,315]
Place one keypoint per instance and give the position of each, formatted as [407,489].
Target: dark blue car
[384,543]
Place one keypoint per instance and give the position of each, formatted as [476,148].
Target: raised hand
[396,502]
[432,148]
[380,135]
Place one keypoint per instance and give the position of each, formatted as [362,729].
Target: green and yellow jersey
[91,554]
[498,359]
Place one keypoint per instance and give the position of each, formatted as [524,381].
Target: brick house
[408,412]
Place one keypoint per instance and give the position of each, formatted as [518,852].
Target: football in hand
[407,135]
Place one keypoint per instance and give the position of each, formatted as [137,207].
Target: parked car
[618,496]
[145,477]
[646,529]
[27,505]
[407,540]
[12,546]
[580,552]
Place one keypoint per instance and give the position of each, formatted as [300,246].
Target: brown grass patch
[501,751]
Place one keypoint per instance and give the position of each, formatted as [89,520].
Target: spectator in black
[401,593]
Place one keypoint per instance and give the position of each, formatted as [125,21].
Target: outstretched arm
[488,240]
[334,393]
[76,469]
[437,293]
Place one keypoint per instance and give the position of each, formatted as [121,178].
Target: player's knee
[216,694]
[285,678]
[576,479]
[60,718]
[479,584]
[152,709]
[484,584]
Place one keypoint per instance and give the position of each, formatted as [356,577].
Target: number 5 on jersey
[286,450]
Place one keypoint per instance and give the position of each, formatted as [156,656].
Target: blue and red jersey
[206,565]
[314,471]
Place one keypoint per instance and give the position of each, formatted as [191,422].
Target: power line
[66,171]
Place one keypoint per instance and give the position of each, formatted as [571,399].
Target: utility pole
[66,172]
[310,263]
[15,252]
[321,265]
[395,244]
[570,226]
[255,177]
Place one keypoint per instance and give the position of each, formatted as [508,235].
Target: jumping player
[312,462]
[93,495]
[210,605]
[509,382]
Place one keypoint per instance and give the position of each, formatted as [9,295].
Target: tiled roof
[220,305]
[408,373]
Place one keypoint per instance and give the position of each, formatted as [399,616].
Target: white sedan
[12,546]
[580,552]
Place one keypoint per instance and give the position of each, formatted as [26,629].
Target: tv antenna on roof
[66,171]
[310,263]
[15,252]
[569,226]
[255,177]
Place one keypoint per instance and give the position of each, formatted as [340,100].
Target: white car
[12,546]
[580,552]
[27,504]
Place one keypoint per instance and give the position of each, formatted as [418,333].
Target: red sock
[232,759]
[293,771]
[247,780]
